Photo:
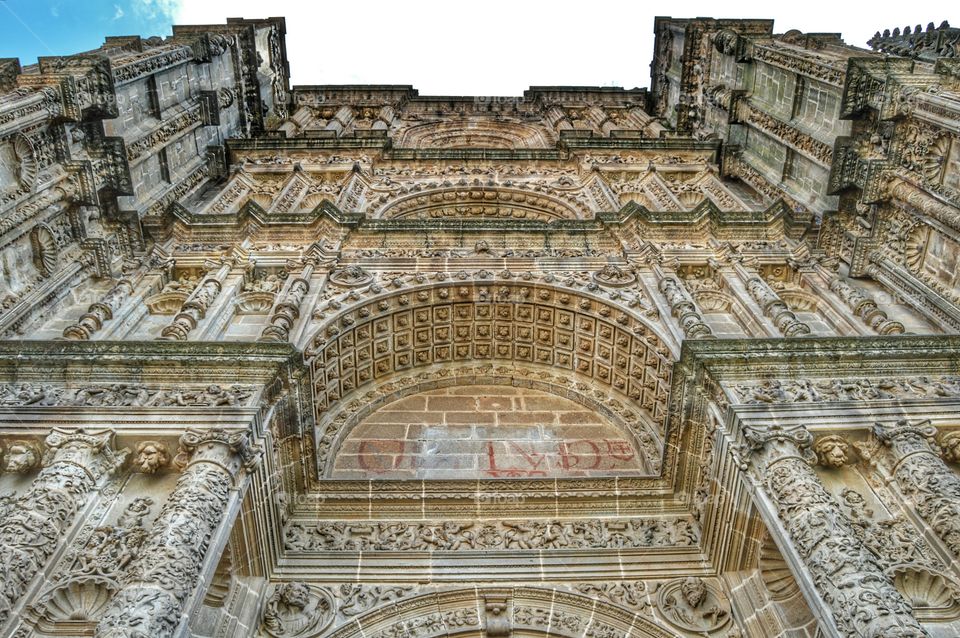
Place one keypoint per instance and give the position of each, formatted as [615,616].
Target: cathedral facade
[353,362]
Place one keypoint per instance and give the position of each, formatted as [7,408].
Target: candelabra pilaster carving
[775,309]
[168,568]
[287,311]
[100,312]
[74,464]
[850,581]
[683,308]
[195,307]
[923,476]
[864,307]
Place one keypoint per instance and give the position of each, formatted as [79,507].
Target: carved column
[682,306]
[100,312]
[168,568]
[859,595]
[195,307]
[865,307]
[38,520]
[774,308]
[286,312]
[923,477]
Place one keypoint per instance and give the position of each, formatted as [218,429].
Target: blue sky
[32,28]
[447,47]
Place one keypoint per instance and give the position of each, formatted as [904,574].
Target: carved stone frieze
[124,395]
[847,389]
[462,536]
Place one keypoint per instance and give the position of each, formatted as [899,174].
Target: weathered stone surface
[400,365]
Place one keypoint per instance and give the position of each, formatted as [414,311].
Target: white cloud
[156,10]
[501,47]
[118,12]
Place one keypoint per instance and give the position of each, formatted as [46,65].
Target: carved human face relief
[20,457]
[151,457]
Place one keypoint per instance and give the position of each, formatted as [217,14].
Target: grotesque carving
[21,457]
[949,443]
[151,457]
[832,450]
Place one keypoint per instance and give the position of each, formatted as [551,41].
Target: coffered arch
[479,201]
[476,132]
[378,337]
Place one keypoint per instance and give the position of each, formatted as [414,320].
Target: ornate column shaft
[923,476]
[100,312]
[774,307]
[682,306]
[863,306]
[860,596]
[38,520]
[286,312]
[168,568]
[196,305]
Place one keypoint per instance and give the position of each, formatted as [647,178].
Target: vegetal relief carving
[80,594]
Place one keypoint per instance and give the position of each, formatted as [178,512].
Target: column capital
[230,449]
[919,434]
[91,450]
[765,445]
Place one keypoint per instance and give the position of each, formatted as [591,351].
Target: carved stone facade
[340,361]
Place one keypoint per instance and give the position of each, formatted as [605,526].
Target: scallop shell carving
[78,601]
[931,594]
[26,155]
[46,252]
[775,573]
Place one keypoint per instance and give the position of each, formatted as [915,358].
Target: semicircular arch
[530,612]
[475,201]
[374,335]
[634,425]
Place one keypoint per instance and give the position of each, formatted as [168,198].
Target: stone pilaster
[864,307]
[852,585]
[195,307]
[74,465]
[774,308]
[286,312]
[922,476]
[681,305]
[100,312]
[168,568]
